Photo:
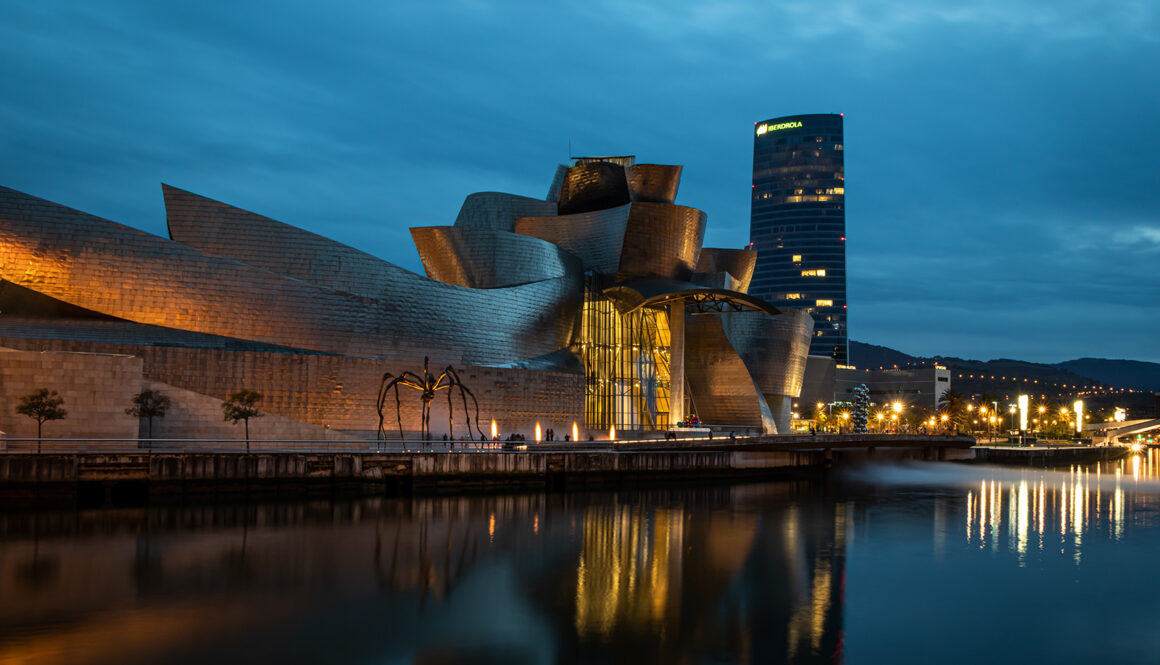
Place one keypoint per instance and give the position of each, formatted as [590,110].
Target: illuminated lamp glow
[1078,408]
[1120,415]
[575,432]
[1024,404]
[494,430]
[612,433]
[539,433]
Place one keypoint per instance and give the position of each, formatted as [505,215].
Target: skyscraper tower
[797,223]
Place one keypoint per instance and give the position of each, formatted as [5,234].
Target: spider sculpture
[428,385]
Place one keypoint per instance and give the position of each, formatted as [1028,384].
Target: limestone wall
[97,388]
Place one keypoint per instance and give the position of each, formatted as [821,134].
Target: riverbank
[142,475]
[1048,456]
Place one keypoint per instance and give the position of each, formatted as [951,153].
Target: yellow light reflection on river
[1069,503]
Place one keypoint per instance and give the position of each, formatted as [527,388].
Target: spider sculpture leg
[454,376]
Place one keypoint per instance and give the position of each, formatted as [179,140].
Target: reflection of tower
[798,222]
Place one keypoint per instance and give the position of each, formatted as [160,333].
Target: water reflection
[739,574]
[1020,510]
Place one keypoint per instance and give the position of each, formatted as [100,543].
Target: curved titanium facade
[723,392]
[118,271]
[798,222]
[483,258]
[496,210]
[661,239]
[737,262]
[554,317]
[654,183]
[593,186]
[596,238]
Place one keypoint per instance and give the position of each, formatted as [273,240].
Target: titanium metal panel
[654,183]
[736,262]
[484,258]
[497,210]
[773,348]
[112,269]
[593,186]
[596,238]
[722,391]
[661,240]
[557,184]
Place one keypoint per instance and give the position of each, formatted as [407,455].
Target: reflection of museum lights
[494,430]
[539,435]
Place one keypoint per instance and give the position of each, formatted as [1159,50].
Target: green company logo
[762,129]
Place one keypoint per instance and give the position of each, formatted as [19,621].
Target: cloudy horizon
[1003,195]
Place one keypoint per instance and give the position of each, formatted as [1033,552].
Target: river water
[921,563]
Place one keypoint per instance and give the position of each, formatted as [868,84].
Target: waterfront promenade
[64,468]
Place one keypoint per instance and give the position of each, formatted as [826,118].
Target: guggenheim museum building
[596,305]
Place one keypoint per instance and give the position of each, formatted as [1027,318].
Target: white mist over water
[1137,472]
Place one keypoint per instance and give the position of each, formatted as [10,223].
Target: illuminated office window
[797,258]
[820,272]
[824,303]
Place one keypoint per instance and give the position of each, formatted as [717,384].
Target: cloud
[1000,155]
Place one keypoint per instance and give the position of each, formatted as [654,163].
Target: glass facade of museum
[798,223]
[626,364]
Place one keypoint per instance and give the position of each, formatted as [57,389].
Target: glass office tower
[797,223]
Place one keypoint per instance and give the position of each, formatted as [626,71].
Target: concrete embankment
[1047,456]
[103,477]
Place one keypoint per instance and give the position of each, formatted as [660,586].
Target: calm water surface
[896,564]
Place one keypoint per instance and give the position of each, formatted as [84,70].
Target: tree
[241,406]
[149,404]
[42,406]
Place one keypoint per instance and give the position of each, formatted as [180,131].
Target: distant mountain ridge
[1134,374]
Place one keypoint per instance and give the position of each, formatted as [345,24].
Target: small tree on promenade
[42,406]
[241,406]
[149,404]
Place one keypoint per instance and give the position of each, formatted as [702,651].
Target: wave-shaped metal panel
[773,348]
[661,240]
[722,390]
[497,210]
[596,238]
[593,186]
[737,262]
[115,270]
[483,258]
[654,183]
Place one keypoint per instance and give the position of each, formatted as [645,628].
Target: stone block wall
[97,388]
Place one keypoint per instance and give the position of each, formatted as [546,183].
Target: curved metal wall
[483,258]
[661,240]
[736,262]
[115,270]
[496,210]
[721,388]
[593,186]
[655,183]
[773,348]
[596,238]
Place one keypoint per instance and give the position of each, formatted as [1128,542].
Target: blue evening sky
[1003,185]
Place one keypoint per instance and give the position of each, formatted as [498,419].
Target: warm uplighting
[1078,408]
[575,432]
[612,433]
[494,430]
[539,433]
[1024,404]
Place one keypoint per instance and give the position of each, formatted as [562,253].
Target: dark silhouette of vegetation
[241,406]
[149,404]
[42,406]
